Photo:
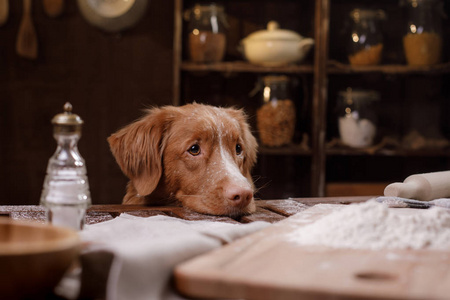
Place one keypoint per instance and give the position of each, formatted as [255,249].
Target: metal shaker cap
[67,121]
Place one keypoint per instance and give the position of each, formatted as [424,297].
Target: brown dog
[196,154]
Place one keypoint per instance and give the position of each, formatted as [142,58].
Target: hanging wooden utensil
[4,11]
[53,8]
[27,43]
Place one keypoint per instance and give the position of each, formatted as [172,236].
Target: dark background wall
[108,78]
[111,78]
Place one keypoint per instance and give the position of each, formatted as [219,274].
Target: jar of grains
[422,42]
[366,37]
[206,33]
[276,115]
[357,117]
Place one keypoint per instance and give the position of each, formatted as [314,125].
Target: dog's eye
[194,150]
[238,149]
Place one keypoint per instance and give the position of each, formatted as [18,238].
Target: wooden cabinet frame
[321,68]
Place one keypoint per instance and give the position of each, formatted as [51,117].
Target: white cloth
[145,250]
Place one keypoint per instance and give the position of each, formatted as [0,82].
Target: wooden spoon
[53,8]
[4,11]
[27,43]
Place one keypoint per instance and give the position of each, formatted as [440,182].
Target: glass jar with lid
[206,33]
[357,118]
[366,37]
[422,41]
[65,193]
[276,115]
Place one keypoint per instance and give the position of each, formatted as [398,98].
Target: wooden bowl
[34,257]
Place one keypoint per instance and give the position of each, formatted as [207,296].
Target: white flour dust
[374,226]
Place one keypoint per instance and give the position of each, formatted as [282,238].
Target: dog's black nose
[239,196]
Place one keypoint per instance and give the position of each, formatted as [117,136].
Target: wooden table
[289,271]
[267,210]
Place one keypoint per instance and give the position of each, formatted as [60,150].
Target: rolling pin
[425,187]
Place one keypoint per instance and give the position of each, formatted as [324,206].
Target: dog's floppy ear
[138,149]
[250,143]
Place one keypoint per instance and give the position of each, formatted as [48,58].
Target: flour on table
[372,225]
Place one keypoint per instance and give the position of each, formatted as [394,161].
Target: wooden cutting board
[266,265]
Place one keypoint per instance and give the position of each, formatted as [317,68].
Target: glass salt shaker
[65,193]
[423,42]
[206,33]
[366,37]
[276,115]
[357,118]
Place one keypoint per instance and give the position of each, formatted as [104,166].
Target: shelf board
[340,189]
[335,67]
[285,150]
[242,67]
[299,150]
[389,152]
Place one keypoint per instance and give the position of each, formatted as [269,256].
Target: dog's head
[198,154]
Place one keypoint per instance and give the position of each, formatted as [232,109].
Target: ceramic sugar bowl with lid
[275,46]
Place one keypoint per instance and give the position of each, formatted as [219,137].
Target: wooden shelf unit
[243,67]
[333,67]
[320,68]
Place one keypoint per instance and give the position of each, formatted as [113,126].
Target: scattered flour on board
[372,225]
